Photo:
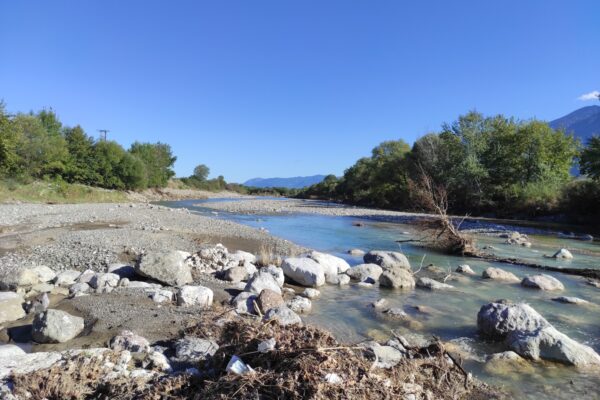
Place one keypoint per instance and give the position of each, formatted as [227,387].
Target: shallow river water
[451,315]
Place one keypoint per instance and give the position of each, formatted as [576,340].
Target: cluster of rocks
[516,238]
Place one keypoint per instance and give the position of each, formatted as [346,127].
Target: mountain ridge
[583,122]
[296,182]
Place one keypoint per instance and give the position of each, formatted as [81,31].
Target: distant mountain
[290,183]
[583,123]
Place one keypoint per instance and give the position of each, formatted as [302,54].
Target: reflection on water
[451,315]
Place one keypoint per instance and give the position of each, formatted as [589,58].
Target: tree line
[39,146]
[486,165]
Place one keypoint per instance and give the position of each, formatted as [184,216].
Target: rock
[507,362]
[268,299]
[542,282]
[332,265]
[212,258]
[237,366]
[56,326]
[528,334]
[365,285]
[299,304]
[397,278]
[304,271]
[10,351]
[39,304]
[104,283]
[42,288]
[587,237]
[161,295]
[143,285]
[364,272]
[123,270]
[387,259]
[381,303]
[86,276]
[66,278]
[431,284]
[570,300]
[236,274]
[127,340]
[79,289]
[244,303]
[27,363]
[396,313]
[343,280]
[194,350]
[11,307]
[27,277]
[499,274]
[311,293]
[356,252]
[243,256]
[283,315]
[267,345]
[167,267]
[159,361]
[333,379]
[124,282]
[260,281]
[276,272]
[465,269]
[195,296]
[385,356]
[564,254]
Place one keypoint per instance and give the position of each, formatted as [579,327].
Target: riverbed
[450,315]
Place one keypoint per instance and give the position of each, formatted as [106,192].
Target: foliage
[158,159]
[590,158]
[201,172]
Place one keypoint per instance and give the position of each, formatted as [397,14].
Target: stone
[267,345]
[507,362]
[343,280]
[311,293]
[332,265]
[159,361]
[244,303]
[364,272]
[56,326]
[497,320]
[465,269]
[104,282]
[499,274]
[542,282]
[283,315]
[79,288]
[356,252]
[564,254]
[395,313]
[123,270]
[27,277]
[86,276]
[236,274]
[387,259]
[432,284]
[333,379]
[195,296]
[11,307]
[299,304]
[260,281]
[194,350]
[66,278]
[397,278]
[10,351]
[570,300]
[304,271]
[42,288]
[276,272]
[127,340]
[143,285]
[38,304]
[168,267]
[385,356]
[160,295]
[242,256]
[27,363]
[380,304]
[268,299]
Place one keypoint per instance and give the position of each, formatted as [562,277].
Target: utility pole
[103,133]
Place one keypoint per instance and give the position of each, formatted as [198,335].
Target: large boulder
[332,265]
[244,303]
[365,272]
[268,299]
[195,296]
[499,274]
[194,350]
[432,284]
[276,272]
[299,304]
[27,277]
[11,307]
[242,257]
[235,274]
[542,282]
[527,333]
[56,326]
[283,315]
[387,259]
[564,254]
[167,267]
[304,271]
[104,282]
[465,269]
[260,281]
[127,340]
[397,278]
[66,278]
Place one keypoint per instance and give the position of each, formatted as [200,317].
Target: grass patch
[56,192]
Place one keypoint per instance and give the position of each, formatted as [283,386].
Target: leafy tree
[81,166]
[158,159]
[201,172]
[8,144]
[590,158]
[107,157]
[131,172]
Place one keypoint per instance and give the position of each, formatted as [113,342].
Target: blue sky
[290,87]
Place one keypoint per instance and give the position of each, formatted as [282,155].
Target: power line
[103,133]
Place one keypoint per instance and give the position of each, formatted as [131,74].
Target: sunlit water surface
[347,313]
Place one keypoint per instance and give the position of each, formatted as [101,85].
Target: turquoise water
[347,313]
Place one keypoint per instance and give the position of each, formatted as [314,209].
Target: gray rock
[380,304]
[397,278]
[10,351]
[79,289]
[127,340]
[242,257]
[244,303]
[497,320]
[86,276]
[167,267]
[66,278]
[311,293]
[343,279]
[267,345]
[11,307]
[542,282]
[160,295]
[27,277]
[564,254]
[260,281]
[465,269]
[195,296]
[27,363]
[431,284]
[356,252]
[299,304]
[385,356]
[38,304]
[194,350]
[387,259]
[283,315]
[104,283]
[364,272]
[276,272]
[499,274]
[236,274]
[56,326]
[304,271]
[332,265]
[570,300]
[159,361]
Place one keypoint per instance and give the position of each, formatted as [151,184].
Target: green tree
[131,172]
[590,158]
[107,157]
[201,172]
[81,166]
[158,159]
[8,144]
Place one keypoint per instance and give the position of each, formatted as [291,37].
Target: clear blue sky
[292,87]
